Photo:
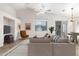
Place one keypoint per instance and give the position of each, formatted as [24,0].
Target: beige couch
[40,40]
[44,48]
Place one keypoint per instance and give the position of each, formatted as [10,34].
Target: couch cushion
[64,49]
[40,49]
[40,40]
[62,40]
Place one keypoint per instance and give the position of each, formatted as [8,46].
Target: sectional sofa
[46,47]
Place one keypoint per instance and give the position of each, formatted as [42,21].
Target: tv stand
[8,38]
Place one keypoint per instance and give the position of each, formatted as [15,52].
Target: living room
[45,24]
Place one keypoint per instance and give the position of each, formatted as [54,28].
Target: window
[40,25]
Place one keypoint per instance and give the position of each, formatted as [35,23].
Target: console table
[8,39]
[74,36]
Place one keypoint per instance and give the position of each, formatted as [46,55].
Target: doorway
[61,28]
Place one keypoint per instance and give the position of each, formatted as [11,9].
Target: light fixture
[72,18]
[44,9]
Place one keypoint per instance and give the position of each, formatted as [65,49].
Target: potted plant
[51,29]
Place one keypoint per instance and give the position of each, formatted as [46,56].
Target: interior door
[58,28]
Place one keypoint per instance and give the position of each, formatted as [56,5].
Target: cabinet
[8,39]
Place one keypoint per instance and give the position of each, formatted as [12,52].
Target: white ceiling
[55,8]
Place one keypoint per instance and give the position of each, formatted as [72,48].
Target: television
[7,29]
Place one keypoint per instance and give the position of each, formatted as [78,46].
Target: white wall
[16,23]
[29,16]
[1,30]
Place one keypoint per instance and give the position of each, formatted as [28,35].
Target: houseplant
[51,29]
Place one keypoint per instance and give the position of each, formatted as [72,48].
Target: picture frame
[28,26]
